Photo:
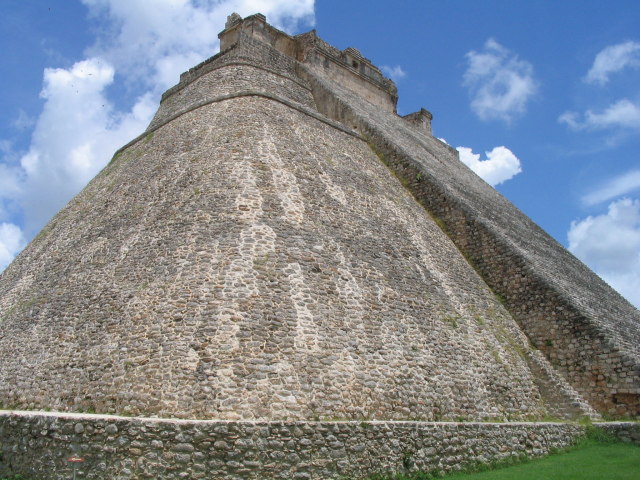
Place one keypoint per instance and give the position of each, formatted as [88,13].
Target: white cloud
[621,185]
[154,45]
[9,181]
[572,119]
[499,82]
[141,49]
[11,242]
[394,73]
[610,245]
[75,135]
[622,114]
[613,59]
[499,166]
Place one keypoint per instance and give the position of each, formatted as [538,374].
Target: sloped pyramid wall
[590,334]
[282,278]
[249,258]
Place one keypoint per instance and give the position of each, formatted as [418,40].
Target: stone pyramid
[281,245]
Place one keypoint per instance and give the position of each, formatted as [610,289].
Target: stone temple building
[283,278]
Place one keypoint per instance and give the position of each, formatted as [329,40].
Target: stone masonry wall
[580,337]
[247,259]
[624,431]
[36,445]
[587,331]
[250,65]
[232,79]
[260,271]
[349,68]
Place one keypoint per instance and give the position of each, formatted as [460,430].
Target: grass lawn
[590,460]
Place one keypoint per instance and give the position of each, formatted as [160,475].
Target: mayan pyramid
[280,244]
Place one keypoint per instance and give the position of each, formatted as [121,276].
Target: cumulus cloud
[9,180]
[177,34]
[11,242]
[622,114]
[499,166]
[141,51]
[75,135]
[394,73]
[499,82]
[610,245]
[613,59]
[616,187]
[10,189]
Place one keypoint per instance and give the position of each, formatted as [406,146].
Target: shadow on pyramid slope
[264,252]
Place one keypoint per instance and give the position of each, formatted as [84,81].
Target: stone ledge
[240,94]
[195,421]
[626,431]
[211,66]
[37,445]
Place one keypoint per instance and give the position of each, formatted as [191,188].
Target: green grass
[590,460]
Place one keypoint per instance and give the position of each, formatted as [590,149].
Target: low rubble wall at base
[628,432]
[37,445]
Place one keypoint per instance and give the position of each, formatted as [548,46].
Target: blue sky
[542,98]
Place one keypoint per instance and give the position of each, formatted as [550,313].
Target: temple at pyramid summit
[283,278]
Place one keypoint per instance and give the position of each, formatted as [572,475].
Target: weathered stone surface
[590,334]
[269,275]
[246,259]
[326,453]
[626,431]
[281,250]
